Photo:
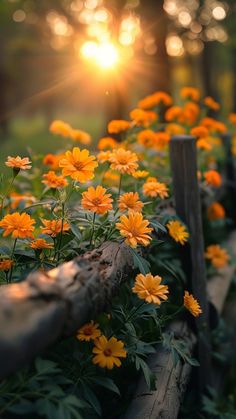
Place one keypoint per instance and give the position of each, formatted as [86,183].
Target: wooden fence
[53,304]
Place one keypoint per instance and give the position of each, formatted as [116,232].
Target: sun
[105,55]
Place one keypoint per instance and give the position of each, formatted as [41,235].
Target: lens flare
[105,55]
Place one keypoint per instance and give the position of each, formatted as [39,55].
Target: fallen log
[171,381]
[48,305]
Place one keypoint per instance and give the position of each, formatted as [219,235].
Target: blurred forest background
[88,61]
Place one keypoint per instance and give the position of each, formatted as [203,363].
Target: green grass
[30,135]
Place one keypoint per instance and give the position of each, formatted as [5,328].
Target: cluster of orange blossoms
[218,256]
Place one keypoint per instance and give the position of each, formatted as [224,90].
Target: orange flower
[173,113]
[150,289]
[161,141]
[218,256]
[78,164]
[190,114]
[59,127]
[232,118]
[54,227]
[54,181]
[213,125]
[111,177]
[177,231]
[52,160]
[154,100]
[155,189]
[96,200]
[190,93]
[135,229]
[124,161]
[199,131]
[117,126]
[142,117]
[140,174]
[107,143]
[108,351]
[17,163]
[213,178]
[215,211]
[89,331]
[211,103]
[80,136]
[20,226]
[147,138]
[191,304]
[130,201]
[104,156]
[39,244]
[175,129]
[17,199]
[204,144]
[6,264]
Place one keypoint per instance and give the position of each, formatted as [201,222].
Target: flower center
[107,352]
[122,160]
[96,201]
[79,165]
[87,331]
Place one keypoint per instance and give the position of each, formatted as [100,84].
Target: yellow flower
[89,331]
[6,264]
[80,136]
[97,200]
[155,189]
[218,256]
[18,163]
[124,161]
[20,226]
[54,227]
[147,138]
[190,93]
[162,140]
[117,126]
[142,117]
[130,201]
[39,244]
[135,229]
[150,289]
[177,231]
[191,304]
[213,178]
[108,352]
[211,103]
[78,164]
[107,143]
[54,181]
[104,156]
[140,174]
[215,211]
[155,99]
[52,160]
[59,127]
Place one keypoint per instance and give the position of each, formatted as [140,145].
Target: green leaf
[76,231]
[139,262]
[107,383]
[158,226]
[92,399]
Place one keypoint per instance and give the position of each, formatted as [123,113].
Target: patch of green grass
[30,135]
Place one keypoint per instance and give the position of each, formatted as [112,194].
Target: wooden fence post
[183,158]
[230,175]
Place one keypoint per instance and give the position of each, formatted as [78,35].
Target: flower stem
[93,225]
[12,256]
[61,232]
[119,190]
[4,197]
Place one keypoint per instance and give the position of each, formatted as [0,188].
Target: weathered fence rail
[50,305]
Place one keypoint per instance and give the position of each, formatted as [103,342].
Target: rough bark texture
[36,312]
[164,402]
[183,158]
[218,286]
